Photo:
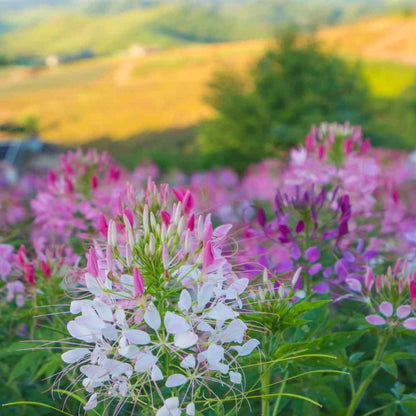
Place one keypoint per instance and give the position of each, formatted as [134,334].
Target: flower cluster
[306,234]
[391,296]
[161,320]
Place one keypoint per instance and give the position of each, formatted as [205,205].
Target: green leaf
[336,341]
[353,358]
[390,366]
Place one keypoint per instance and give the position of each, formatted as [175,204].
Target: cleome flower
[392,294]
[160,322]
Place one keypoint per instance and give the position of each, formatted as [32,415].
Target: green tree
[293,86]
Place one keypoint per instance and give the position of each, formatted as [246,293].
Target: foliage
[289,94]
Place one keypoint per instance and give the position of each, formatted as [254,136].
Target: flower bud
[112,233]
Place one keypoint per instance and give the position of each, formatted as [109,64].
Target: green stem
[265,380]
[281,390]
[383,340]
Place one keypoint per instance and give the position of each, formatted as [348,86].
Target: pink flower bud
[138,283]
[45,268]
[165,217]
[69,185]
[412,290]
[112,233]
[188,202]
[114,172]
[92,263]
[129,215]
[321,151]
[178,195]
[30,273]
[366,146]
[21,255]
[261,217]
[51,177]
[94,182]
[348,146]
[191,222]
[208,231]
[208,255]
[165,257]
[102,225]
[396,268]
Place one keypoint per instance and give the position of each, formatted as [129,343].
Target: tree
[294,85]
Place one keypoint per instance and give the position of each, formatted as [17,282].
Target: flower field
[290,290]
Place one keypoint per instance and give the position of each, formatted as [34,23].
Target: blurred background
[195,84]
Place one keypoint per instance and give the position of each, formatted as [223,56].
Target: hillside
[386,38]
[160,26]
[120,96]
[39,28]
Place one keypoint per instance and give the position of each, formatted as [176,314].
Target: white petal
[205,294]
[82,332]
[185,300]
[121,318]
[136,336]
[73,356]
[190,409]
[156,374]
[104,311]
[175,324]
[247,348]
[215,354]
[185,339]
[94,285]
[77,305]
[129,351]
[221,312]
[115,368]
[235,377]
[236,288]
[152,317]
[144,362]
[234,332]
[176,380]
[91,403]
[170,408]
[188,362]
[205,327]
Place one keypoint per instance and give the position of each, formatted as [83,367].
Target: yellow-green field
[121,96]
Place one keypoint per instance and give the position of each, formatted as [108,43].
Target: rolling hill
[386,38]
[121,96]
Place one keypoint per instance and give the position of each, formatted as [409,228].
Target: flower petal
[91,403]
[152,317]
[403,311]
[175,380]
[185,301]
[73,356]
[247,348]
[410,323]
[185,339]
[235,377]
[312,254]
[136,336]
[386,308]
[375,320]
[175,324]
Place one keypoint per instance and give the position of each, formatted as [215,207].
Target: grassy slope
[120,96]
[161,26]
[385,38]
[104,34]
